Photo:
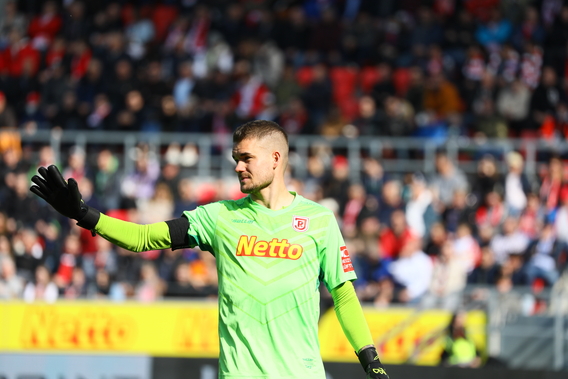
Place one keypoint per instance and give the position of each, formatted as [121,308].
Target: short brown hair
[258,129]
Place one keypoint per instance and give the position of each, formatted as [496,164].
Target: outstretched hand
[63,196]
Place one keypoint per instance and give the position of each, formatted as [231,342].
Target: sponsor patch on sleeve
[346,263]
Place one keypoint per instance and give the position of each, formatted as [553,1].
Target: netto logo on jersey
[249,246]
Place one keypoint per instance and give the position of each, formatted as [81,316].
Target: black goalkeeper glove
[371,364]
[63,196]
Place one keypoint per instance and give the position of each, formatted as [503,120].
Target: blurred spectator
[416,88]
[102,285]
[466,247]
[139,184]
[420,213]
[384,87]
[390,201]
[496,31]
[22,205]
[546,98]
[551,186]
[106,180]
[10,19]
[368,122]
[448,280]
[530,29]
[252,96]
[513,104]
[398,118]
[427,31]
[510,241]
[542,256]
[561,217]
[70,259]
[325,35]
[441,96]
[491,212]
[513,269]
[183,86]
[317,95]
[11,285]
[150,287]
[393,239]
[337,183]
[77,26]
[412,270]
[45,26]
[42,288]
[517,185]
[187,200]
[7,115]
[356,202]
[159,207]
[486,180]
[488,271]
[447,180]
[533,216]
[76,161]
[459,349]
[437,237]
[139,33]
[77,288]
[184,285]
[460,211]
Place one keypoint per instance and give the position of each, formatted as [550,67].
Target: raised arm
[352,320]
[65,198]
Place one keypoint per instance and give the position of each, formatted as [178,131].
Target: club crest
[300,224]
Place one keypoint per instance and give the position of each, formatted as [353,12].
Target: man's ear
[276,159]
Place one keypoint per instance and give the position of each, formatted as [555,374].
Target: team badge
[300,224]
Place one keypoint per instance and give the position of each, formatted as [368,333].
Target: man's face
[255,164]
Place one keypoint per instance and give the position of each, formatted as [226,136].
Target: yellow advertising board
[185,329]
[189,329]
[402,335]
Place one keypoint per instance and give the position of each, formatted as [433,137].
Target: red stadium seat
[401,80]
[343,81]
[367,78]
[304,76]
[163,17]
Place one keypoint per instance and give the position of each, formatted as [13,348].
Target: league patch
[346,260]
[300,224]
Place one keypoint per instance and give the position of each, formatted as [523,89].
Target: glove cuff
[90,217]
[367,356]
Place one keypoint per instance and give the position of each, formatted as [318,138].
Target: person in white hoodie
[412,271]
[420,213]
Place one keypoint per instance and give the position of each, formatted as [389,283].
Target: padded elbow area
[178,233]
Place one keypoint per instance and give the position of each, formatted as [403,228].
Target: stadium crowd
[483,68]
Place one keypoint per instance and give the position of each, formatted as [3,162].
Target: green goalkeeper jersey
[270,264]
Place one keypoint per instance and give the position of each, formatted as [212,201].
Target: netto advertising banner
[402,335]
[185,329]
[189,329]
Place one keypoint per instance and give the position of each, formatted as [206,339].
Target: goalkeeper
[272,250]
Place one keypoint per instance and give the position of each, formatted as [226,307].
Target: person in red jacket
[45,26]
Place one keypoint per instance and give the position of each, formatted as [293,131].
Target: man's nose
[240,167]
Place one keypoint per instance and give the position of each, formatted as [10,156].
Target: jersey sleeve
[335,263]
[202,225]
